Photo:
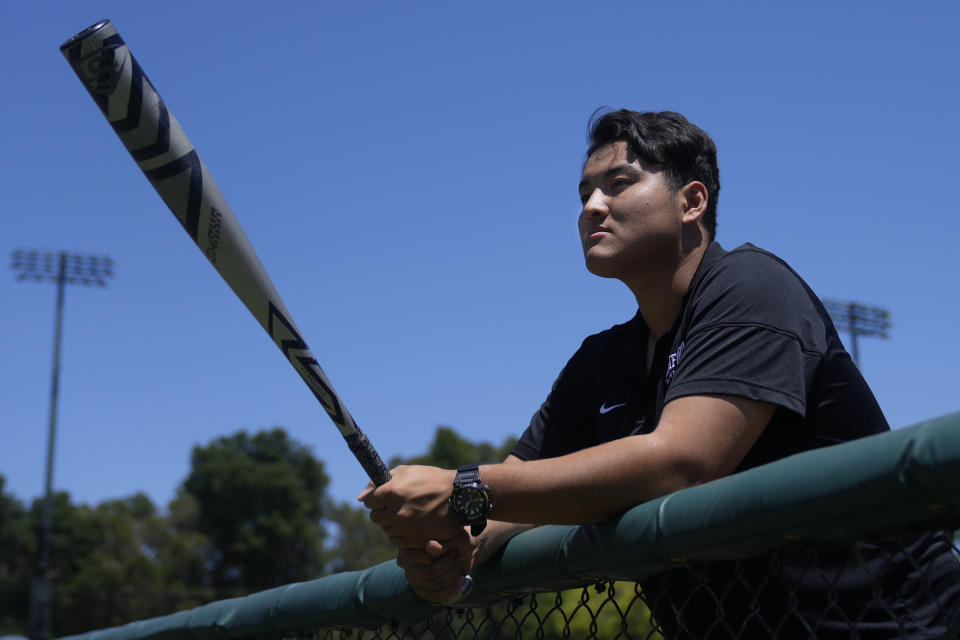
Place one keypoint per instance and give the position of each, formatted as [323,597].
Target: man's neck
[660,296]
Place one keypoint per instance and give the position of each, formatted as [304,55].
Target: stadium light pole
[61,268]
[859,320]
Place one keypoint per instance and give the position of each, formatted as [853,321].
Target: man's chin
[602,268]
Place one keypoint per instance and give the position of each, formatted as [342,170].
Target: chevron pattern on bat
[102,68]
[321,389]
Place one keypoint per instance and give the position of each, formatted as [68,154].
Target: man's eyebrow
[626,166]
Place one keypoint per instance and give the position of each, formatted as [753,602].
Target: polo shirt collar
[639,331]
[713,253]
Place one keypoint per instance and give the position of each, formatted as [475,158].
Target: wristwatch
[471,499]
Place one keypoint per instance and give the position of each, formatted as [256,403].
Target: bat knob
[464,592]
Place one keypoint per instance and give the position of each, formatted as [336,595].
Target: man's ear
[693,201]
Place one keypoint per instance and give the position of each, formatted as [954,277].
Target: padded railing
[889,486]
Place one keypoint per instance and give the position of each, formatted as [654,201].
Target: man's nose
[596,204]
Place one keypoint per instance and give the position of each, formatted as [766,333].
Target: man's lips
[597,233]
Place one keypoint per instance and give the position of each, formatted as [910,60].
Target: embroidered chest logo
[605,408]
[673,361]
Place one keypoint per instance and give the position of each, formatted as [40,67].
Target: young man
[730,362]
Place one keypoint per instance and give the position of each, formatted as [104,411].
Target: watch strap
[467,474]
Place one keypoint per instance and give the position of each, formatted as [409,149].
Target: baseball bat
[159,146]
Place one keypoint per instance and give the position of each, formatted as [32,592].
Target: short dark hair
[683,150]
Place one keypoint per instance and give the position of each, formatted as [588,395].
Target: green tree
[75,536]
[260,505]
[249,516]
[182,554]
[357,542]
[109,575]
[103,569]
[17,554]
[450,450]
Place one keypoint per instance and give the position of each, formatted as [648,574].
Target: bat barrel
[157,143]
[89,31]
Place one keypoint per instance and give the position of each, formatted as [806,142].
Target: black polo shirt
[749,326]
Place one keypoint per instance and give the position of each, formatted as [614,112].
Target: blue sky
[407,173]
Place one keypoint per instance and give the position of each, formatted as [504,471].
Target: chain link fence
[803,590]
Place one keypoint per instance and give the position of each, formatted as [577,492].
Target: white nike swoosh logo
[605,409]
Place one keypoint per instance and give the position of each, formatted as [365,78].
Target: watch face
[470,503]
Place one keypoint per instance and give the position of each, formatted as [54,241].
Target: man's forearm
[698,439]
[586,486]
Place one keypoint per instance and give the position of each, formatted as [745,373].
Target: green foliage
[107,563]
[183,550]
[17,548]
[358,542]
[251,514]
[260,503]
[607,610]
[449,450]
[104,571]
[248,516]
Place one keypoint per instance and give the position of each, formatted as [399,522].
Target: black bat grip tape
[368,457]
[372,463]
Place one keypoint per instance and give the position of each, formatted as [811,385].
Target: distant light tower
[62,268]
[858,320]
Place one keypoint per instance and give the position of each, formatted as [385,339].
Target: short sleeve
[753,331]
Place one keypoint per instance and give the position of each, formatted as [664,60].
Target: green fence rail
[886,487]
